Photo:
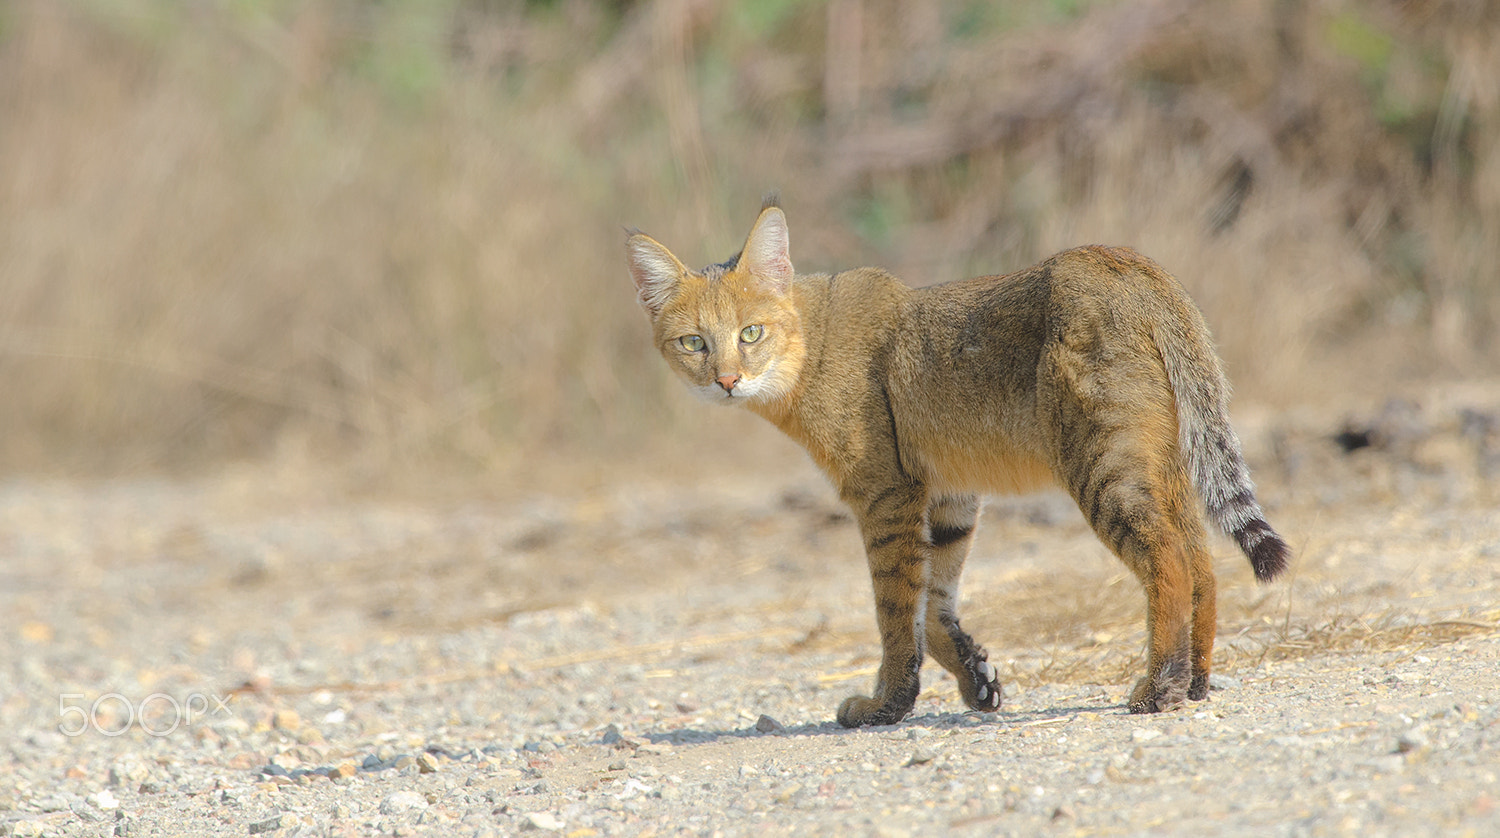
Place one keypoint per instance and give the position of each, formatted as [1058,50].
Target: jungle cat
[1091,370]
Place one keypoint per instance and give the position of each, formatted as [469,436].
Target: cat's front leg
[891,521]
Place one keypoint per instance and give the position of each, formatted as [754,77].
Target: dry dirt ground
[657,653]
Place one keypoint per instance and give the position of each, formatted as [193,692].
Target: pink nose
[728,381]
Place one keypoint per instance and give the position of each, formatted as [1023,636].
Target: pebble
[1217,681]
[544,821]
[269,824]
[427,763]
[403,802]
[103,799]
[127,774]
[920,756]
[1411,740]
[766,724]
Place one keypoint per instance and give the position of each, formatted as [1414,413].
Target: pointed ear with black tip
[656,272]
[766,254]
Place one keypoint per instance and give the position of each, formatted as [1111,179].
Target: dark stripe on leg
[945,535]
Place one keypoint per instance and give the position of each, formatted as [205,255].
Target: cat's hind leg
[1148,518]
[950,532]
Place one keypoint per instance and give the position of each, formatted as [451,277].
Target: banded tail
[1213,448]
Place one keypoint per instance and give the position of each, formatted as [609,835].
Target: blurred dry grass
[389,233]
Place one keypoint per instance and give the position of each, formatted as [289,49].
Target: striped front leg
[891,519]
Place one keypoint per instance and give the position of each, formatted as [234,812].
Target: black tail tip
[1269,556]
[1268,552]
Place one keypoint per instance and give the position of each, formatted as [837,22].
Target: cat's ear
[766,253]
[655,270]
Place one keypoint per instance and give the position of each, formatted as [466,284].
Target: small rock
[25,829]
[372,763]
[1142,734]
[920,756]
[766,724]
[1217,681]
[287,759]
[1411,740]
[46,739]
[402,803]
[545,821]
[404,761]
[343,769]
[245,760]
[104,799]
[270,824]
[85,812]
[286,719]
[612,735]
[127,774]
[427,763]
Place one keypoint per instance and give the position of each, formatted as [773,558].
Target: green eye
[691,343]
[751,334]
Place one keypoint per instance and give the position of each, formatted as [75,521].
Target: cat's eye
[751,334]
[691,343]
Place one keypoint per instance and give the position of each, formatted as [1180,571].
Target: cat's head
[730,330]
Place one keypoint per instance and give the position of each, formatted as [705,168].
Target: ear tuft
[655,270]
[767,252]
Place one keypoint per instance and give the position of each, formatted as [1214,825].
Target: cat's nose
[728,381]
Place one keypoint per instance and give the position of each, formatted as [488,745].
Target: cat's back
[975,358]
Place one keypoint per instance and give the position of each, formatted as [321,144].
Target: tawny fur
[1091,370]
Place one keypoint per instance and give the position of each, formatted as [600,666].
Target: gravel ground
[256,654]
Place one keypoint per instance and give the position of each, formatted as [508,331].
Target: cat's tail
[1213,449]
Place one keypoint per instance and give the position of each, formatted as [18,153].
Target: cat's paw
[1198,690]
[982,690]
[860,710]
[1158,695]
